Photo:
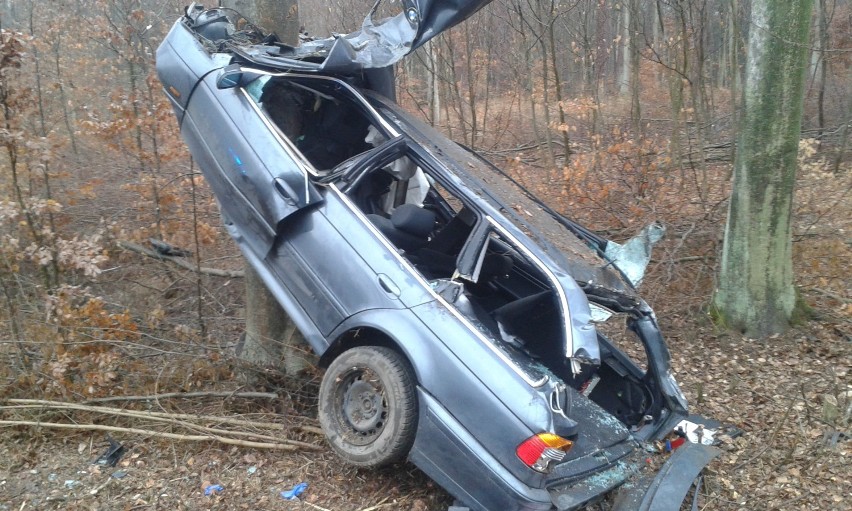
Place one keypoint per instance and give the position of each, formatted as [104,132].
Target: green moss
[802,312]
[717,317]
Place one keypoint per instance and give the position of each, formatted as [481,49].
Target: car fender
[181,63]
[464,380]
[404,328]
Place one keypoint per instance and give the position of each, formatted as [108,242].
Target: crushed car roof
[378,44]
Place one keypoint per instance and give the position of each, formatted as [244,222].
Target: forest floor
[791,396]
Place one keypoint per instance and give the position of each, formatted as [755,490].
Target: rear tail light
[540,451]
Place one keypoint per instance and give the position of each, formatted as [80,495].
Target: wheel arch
[399,330]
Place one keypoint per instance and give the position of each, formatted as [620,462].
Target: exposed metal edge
[563,300]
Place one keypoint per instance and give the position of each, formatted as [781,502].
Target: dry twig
[42,403]
[160,434]
[154,397]
[176,419]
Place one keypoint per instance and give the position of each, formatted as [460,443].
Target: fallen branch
[829,294]
[43,403]
[159,434]
[314,505]
[180,261]
[154,397]
[180,419]
[311,429]
[381,504]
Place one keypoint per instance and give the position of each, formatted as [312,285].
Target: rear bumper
[593,487]
[665,490]
[661,491]
[454,459]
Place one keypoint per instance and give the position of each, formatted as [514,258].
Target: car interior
[507,298]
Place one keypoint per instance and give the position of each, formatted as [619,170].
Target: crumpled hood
[384,42]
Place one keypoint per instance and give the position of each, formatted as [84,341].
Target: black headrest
[413,220]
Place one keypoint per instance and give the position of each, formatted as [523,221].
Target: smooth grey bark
[755,294]
[271,338]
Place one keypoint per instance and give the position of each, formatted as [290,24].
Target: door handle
[281,188]
[388,285]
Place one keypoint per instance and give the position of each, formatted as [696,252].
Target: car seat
[408,227]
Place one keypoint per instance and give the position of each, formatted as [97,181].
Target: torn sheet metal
[377,44]
[383,43]
[632,258]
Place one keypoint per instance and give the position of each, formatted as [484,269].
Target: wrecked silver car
[460,319]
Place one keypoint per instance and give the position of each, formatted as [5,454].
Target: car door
[256,179]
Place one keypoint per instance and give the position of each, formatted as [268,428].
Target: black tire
[368,406]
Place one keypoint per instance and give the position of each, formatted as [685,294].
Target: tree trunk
[755,294]
[632,55]
[279,16]
[626,58]
[434,84]
[821,76]
[734,62]
[271,338]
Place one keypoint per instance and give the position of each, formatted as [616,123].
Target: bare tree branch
[153,397]
[159,434]
[183,263]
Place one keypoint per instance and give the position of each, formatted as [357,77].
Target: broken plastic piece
[111,456]
[213,489]
[696,433]
[671,445]
[294,493]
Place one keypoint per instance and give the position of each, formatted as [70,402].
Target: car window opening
[325,129]
[507,298]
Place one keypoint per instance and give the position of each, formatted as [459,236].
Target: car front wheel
[368,406]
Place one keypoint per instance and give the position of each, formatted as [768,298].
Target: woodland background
[617,113]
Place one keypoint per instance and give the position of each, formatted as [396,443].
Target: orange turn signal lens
[555,441]
[539,451]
